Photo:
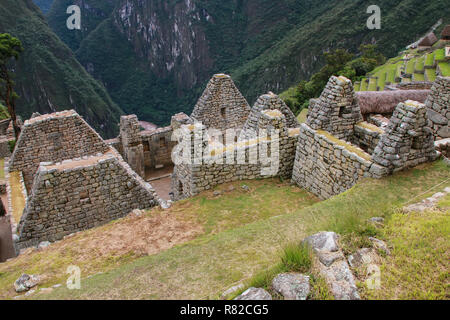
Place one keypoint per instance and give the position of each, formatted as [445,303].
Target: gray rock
[292,286]
[380,245]
[340,281]
[232,290]
[245,187]
[436,117]
[328,258]
[217,193]
[323,241]
[377,220]
[26,282]
[44,244]
[254,294]
[363,257]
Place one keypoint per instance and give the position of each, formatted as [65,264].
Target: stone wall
[237,161]
[157,147]
[438,108]
[327,166]
[221,106]
[337,110]
[5,151]
[408,141]
[268,101]
[366,136]
[80,194]
[133,150]
[53,137]
[415,85]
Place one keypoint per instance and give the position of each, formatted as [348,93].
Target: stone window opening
[341,111]
[162,142]
[223,112]
[146,146]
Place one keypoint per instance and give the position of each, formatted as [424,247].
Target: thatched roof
[387,101]
[446,32]
[429,40]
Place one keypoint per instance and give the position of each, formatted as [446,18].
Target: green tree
[10,49]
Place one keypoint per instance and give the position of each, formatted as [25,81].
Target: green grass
[420,64]
[302,116]
[429,61]
[440,55]
[372,84]
[357,86]
[364,84]
[430,74]
[207,266]
[418,267]
[2,168]
[410,66]
[418,77]
[445,68]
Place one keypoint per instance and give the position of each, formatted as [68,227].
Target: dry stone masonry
[80,194]
[53,137]
[408,140]
[438,111]
[222,105]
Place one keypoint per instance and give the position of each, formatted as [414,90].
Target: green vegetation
[3,112]
[339,62]
[2,168]
[207,266]
[418,267]
[10,49]
[264,45]
[48,66]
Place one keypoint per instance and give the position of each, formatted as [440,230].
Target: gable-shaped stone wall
[80,194]
[268,101]
[222,106]
[53,137]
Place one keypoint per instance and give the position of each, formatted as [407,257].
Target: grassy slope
[204,267]
[418,267]
[111,244]
[48,75]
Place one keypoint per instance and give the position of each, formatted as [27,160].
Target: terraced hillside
[411,66]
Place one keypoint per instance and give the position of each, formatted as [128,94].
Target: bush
[296,258]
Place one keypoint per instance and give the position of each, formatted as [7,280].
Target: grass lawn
[418,77]
[302,116]
[420,64]
[439,55]
[418,267]
[205,267]
[364,84]
[445,68]
[122,241]
[17,197]
[372,84]
[410,66]
[429,60]
[2,168]
[430,74]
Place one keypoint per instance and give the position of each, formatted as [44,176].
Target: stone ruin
[75,184]
[69,180]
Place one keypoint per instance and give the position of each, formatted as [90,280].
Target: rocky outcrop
[332,265]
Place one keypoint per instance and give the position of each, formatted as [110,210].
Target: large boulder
[292,286]
[323,241]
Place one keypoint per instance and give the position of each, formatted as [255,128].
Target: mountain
[44,5]
[155,56]
[48,76]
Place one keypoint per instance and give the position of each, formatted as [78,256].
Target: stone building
[63,178]
[222,105]
[334,152]
[438,108]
